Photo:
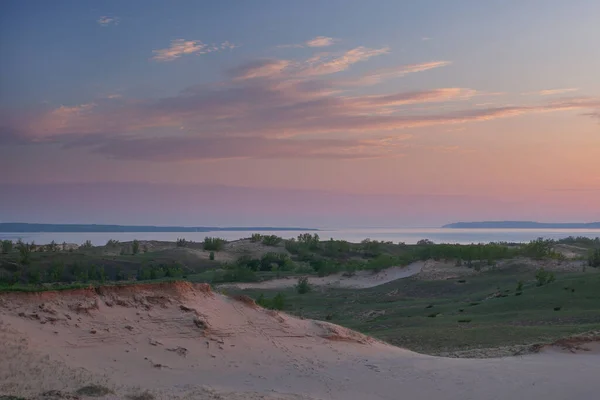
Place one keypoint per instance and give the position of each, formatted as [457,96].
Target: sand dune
[184,341]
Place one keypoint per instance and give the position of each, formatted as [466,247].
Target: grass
[29,288]
[467,316]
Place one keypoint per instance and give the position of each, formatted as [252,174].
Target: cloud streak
[107,21]
[181,47]
[552,92]
[378,76]
[318,41]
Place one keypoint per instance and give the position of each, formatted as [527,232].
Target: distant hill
[521,225]
[18,227]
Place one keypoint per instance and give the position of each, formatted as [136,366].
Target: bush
[7,246]
[594,258]
[213,243]
[112,243]
[211,256]
[271,240]
[520,286]
[311,241]
[256,237]
[544,277]
[87,244]
[181,242]
[24,252]
[240,275]
[278,302]
[539,248]
[303,286]
[135,246]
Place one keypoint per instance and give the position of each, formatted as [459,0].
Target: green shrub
[24,252]
[519,286]
[278,302]
[213,243]
[7,246]
[256,237]
[594,258]
[271,240]
[181,242]
[112,243]
[135,246]
[211,256]
[544,277]
[303,286]
[87,245]
[539,248]
[239,275]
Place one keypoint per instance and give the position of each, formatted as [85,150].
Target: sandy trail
[360,280]
[183,341]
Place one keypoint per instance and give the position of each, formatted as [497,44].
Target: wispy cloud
[318,41]
[317,65]
[106,21]
[378,76]
[181,47]
[551,92]
[321,41]
[266,108]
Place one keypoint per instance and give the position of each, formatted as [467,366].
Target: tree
[182,242]
[256,237]
[135,246]
[53,246]
[87,244]
[213,243]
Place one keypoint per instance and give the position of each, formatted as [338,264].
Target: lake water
[406,235]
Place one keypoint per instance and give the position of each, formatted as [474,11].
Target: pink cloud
[374,77]
[181,47]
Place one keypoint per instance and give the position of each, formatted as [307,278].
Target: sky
[342,113]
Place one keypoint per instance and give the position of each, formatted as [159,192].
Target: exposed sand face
[182,341]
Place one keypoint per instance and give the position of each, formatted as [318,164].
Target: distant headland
[18,227]
[522,225]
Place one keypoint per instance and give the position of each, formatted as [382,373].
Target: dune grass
[447,316]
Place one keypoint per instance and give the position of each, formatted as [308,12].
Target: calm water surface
[406,235]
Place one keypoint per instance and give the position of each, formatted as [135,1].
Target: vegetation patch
[94,391]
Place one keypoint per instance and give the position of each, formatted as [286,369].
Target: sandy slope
[183,341]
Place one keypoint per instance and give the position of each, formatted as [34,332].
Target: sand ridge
[183,341]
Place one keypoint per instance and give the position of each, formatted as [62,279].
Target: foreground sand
[183,341]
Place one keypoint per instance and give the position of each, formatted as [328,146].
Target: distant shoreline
[18,227]
[521,225]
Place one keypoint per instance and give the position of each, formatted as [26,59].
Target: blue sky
[436,98]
